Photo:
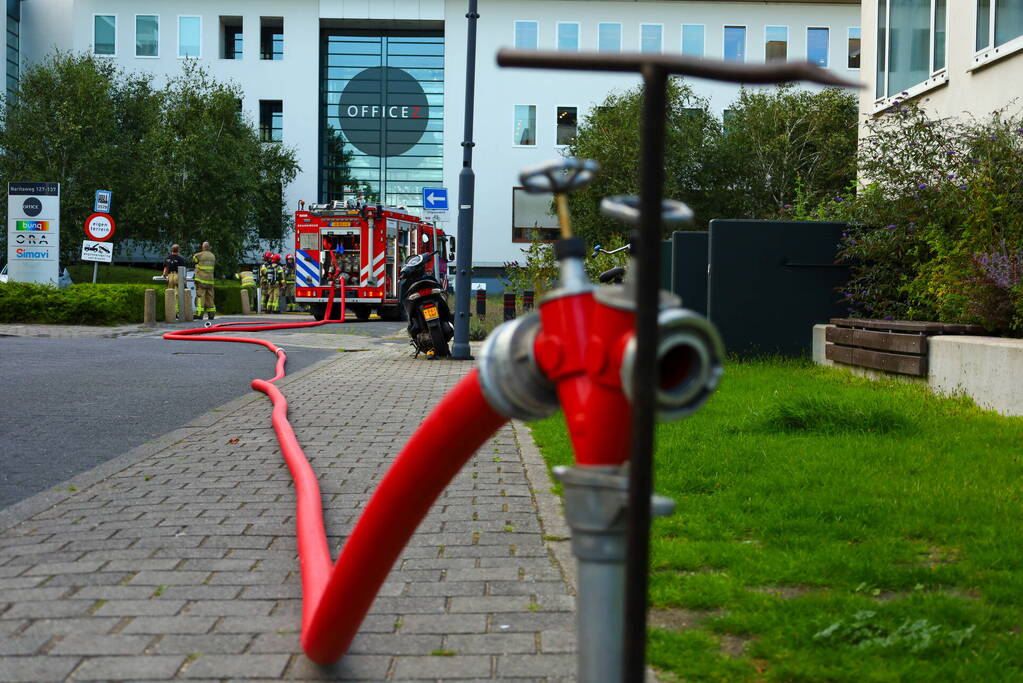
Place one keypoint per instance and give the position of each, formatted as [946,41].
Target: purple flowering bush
[937,228]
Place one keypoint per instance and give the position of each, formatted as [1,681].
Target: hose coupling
[509,375]
[689,363]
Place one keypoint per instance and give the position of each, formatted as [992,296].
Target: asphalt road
[67,405]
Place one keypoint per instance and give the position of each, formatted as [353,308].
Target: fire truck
[368,245]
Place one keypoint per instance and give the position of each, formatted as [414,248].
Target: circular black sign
[383,111]
[32,207]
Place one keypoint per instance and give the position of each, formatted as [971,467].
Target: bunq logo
[383,112]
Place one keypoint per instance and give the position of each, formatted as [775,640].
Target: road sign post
[99,227]
[435,204]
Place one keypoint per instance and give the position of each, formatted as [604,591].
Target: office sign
[383,111]
[33,232]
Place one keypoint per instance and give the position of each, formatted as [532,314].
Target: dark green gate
[771,281]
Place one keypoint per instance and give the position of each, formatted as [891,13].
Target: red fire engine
[369,244]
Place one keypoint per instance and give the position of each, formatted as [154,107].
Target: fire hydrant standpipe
[655,70]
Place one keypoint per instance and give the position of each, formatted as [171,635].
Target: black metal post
[647,242]
[466,198]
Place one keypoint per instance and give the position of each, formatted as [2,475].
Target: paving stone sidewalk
[178,560]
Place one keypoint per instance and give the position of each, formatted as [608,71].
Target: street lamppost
[466,190]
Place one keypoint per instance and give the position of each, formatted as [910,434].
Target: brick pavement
[178,560]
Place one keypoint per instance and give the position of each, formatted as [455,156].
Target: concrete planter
[987,369]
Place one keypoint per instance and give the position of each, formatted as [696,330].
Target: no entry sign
[99,227]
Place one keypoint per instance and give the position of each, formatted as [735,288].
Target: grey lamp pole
[466,191]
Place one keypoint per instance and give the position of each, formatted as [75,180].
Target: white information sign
[103,252]
[435,215]
[33,232]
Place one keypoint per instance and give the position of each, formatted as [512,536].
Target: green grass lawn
[834,529]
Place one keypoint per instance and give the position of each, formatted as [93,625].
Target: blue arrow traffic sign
[435,198]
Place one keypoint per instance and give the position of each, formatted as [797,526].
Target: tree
[610,135]
[781,142]
[184,165]
[76,120]
[211,177]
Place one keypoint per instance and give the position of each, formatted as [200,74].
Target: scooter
[430,323]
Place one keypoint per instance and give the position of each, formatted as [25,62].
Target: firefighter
[264,287]
[204,263]
[289,283]
[171,264]
[275,282]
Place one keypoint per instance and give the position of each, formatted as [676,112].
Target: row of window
[189,37]
[912,38]
[693,40]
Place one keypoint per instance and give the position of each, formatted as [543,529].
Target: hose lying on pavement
[336,597]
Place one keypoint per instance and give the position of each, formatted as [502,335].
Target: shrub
[89,304]
[935,232]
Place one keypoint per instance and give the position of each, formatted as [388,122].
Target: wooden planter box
[898,346]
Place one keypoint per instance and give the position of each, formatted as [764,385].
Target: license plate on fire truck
[430,313]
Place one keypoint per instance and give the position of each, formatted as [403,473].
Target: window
[525,124]
[231,35]
[854,47]
[692,40]
[609,37]
[104,34]
[817,46]
[271,120]
[776,43]
[532,216]
[567,125]
[650,37]
[727,118]
[998,22]
[271,38]
[735,44]
[189,35]
[909,50]
[147,35]
[527,35]
[568,37]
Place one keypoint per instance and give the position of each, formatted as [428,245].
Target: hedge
[89,304]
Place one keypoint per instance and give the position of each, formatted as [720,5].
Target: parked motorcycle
[430,323]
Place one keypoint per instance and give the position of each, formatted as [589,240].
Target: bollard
[481,303]
[170,300]
[509,306]
[246,305]
[527,300]
[149,308]
[186,311]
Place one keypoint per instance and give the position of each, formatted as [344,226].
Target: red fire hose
[336,598]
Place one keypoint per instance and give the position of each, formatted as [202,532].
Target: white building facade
[385,79]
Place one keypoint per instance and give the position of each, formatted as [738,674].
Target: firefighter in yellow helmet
[289,283]
[204,263]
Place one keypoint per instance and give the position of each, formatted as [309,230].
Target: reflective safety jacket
[204,262]
[278,274]
[247,278]
[264,273]
[289,273]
